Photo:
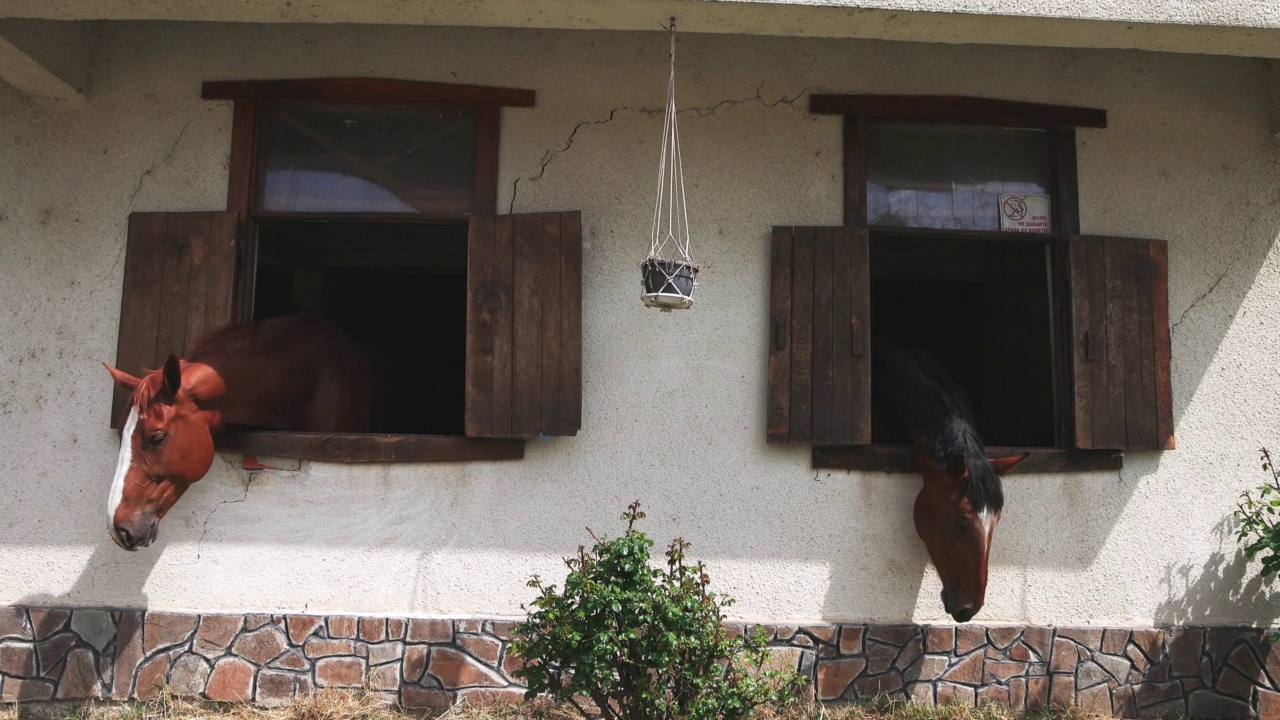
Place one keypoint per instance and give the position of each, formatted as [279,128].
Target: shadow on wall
[1226,587]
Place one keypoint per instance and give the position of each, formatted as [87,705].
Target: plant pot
[668,283]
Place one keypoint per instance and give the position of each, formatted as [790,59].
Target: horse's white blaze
[122,465]
[988,519]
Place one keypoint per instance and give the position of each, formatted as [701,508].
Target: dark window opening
[398,290]
[982,310]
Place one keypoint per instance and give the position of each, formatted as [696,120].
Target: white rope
[669,233]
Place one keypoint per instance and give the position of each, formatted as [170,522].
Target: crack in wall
[1174,327]
[553,153]
[200,543]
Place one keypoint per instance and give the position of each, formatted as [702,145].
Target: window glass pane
[951,176]
[365,160]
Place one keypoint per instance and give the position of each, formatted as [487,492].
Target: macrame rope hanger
[669,273]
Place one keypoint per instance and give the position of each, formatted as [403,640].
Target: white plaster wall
[1187,157]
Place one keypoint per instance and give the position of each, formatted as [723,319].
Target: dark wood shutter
[178,281]
[819,337]
[1120,317]
[524,325]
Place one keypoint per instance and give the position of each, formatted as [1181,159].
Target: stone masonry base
[73,654]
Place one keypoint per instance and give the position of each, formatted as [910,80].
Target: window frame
[1060,122]
[250,99]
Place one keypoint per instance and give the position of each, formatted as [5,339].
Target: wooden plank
[484,199]
[478,385]
[570,322]
[1114,436]
[219,271]
[1084,342]
[199,245]
[171,335]
[822,336]
[1159,250]
[855,170]
[1145,434]
[243,162]
[1097,343]
[778,402]
[549,286]
[526,385]
[1064,192]
[957,109]
[860,328]
[363,90]
[503,334]
[802,336]
[370,448]
[842,317]
[139,300]
[1130,342]
[902,459]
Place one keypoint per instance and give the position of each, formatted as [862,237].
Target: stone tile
[19,690]
[481,647]
[1268,705]
[190,674]
[373,629]
[1114,641]
[468,626]
[385,677]
[1095,700]
[1231,682]
[483,698]
[51,651]
[969,638]
[1018,696]
[1151,642]
[1089,673]
[292,659]
[1065,656]
[952,694]
[920,693]
[431,631]
[512,662]
[1037,693]
[1062,691]
[888,684]
[1003,637]
[13,624]
[47,621]
[1169,709]
[1184,650]
[1123,704]
[275,688]
[822,633]
[1039,639]
[128,653]
[930,668]
[939,639]
[1155,693]
[996,695]
[253,621]
[1207,704]
[851,639]
[892,634]
[1020,652]
[910,652]
[317,647]
[79,676]
[94,627]
[802,640]
[17,658]
[879,656]
[346,672]
[215,634]
[300,627]
[1116,667]
[785,632]
[343,626]
[1190,684]
[152,676]
[1140,662]
[1002,670]
[396,628]
[1243,659]
[834,676]
[230,681]
[419,698]
[968,670]
[455,670]
[386,652]
[415,663]
[164,629]
[1090,638]
[260,646]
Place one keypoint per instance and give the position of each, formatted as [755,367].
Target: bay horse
[295,372]
[957,508]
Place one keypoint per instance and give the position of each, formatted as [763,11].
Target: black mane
[925,400]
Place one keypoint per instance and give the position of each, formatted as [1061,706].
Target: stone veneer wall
[48,653]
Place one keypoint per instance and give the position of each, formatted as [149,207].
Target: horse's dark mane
[924,398]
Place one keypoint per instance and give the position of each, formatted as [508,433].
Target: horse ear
[122,378]
[172,375]
[1004,464]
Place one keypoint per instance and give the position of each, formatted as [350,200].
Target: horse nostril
[964,614]
[126,538]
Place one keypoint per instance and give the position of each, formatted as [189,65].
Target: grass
[348,705]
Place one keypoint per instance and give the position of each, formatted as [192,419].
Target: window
[371,203]
[961,237]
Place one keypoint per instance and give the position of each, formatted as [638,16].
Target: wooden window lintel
[957,109]
[366,91]
[370,447]
[902,459]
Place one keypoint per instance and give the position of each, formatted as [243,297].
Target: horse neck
[935,476]
[223,386]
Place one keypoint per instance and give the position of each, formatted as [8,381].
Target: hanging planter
[669,274]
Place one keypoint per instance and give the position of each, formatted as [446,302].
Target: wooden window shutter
[524,325]
[819,337]
[178,281]
[1120,320]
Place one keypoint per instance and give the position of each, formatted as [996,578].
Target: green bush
[640,642]
[1259,522]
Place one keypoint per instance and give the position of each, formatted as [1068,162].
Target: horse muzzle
[136,538]
[960,610]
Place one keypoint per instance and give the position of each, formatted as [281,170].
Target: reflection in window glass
[950,176]
[364,160]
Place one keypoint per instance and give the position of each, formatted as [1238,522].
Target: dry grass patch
[348,705]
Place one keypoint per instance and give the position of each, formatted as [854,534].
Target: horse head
[955,515]
[166,445]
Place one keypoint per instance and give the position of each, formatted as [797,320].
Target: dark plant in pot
[668,277]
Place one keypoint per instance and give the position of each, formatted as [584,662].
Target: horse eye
[158,437]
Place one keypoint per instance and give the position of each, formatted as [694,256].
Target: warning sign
[1025,213]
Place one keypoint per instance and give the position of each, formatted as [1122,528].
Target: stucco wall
[1187,157]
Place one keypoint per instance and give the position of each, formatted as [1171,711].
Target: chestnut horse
[960,503]
[287,373]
